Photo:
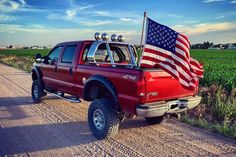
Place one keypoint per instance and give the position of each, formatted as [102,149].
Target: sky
[48,22]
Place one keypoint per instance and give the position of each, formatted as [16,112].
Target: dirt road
[59,128]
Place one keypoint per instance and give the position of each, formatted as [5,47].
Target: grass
[213,127]
[20,62]
[21,58]
[24,52]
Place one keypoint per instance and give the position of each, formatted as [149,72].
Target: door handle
[70,71]
[55,68]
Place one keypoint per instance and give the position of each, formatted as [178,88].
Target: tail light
[142,88]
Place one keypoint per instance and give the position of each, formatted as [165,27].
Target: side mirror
[38,58]
[53,61]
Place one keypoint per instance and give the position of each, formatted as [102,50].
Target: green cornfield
[24,52]
[219,67]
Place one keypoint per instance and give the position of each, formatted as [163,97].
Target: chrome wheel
[36,91]
[98,119]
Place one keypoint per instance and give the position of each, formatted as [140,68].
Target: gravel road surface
[59,128]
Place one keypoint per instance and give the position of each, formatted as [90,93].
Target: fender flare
[38,73]
[105,82]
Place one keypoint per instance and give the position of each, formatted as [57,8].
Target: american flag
[169,50]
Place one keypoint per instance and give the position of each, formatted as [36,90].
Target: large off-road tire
[154,120]
[103,120]
[37,91]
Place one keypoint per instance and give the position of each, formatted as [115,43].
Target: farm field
[24,52]
[219,67]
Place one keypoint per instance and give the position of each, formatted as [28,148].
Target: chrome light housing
[105,36]
[121,38]
[97,36]
[114,37]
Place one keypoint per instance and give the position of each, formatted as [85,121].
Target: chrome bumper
[164,107]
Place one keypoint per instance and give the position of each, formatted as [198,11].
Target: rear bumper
[164,107]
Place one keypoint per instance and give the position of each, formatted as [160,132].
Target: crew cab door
[66,69]
[49,68]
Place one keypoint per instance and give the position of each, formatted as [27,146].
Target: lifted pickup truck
[106,73]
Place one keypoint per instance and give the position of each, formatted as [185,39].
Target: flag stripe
[177,59]
[166,53]
[183,82]
[169,50]
[168,60]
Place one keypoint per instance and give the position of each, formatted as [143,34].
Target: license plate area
[177,104]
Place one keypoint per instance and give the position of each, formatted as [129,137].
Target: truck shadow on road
[31,138]
[10,107]
[15,101]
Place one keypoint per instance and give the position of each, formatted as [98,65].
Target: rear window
[68,54]
[120,53]
[101,55]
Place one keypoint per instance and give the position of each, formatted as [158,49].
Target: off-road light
[121,38]
[105,36]
[97,36]
[114,37]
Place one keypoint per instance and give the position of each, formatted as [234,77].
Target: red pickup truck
[107,74]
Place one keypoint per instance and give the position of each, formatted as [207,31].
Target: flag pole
[141,49]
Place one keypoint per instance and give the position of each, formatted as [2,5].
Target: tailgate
[162,86]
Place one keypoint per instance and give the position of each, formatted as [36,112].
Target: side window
[85,53]
[101,55]
[68,54]
[55,53]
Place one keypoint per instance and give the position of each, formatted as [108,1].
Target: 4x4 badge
[132,77]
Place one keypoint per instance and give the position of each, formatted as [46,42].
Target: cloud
[70,13]
[220,17]
[206,28]
[14,5]
[125,19]
[22,35]
[71,16]
[22,2]
[178,26]
[4,18]
[11,5]
[174,15]
[89,17]
[17,6]
[211,1]
[101,13]
[233,2]
[95,22]
[85,7]
[190,22]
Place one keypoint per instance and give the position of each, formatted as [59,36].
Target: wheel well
[97,90]
[36,75]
